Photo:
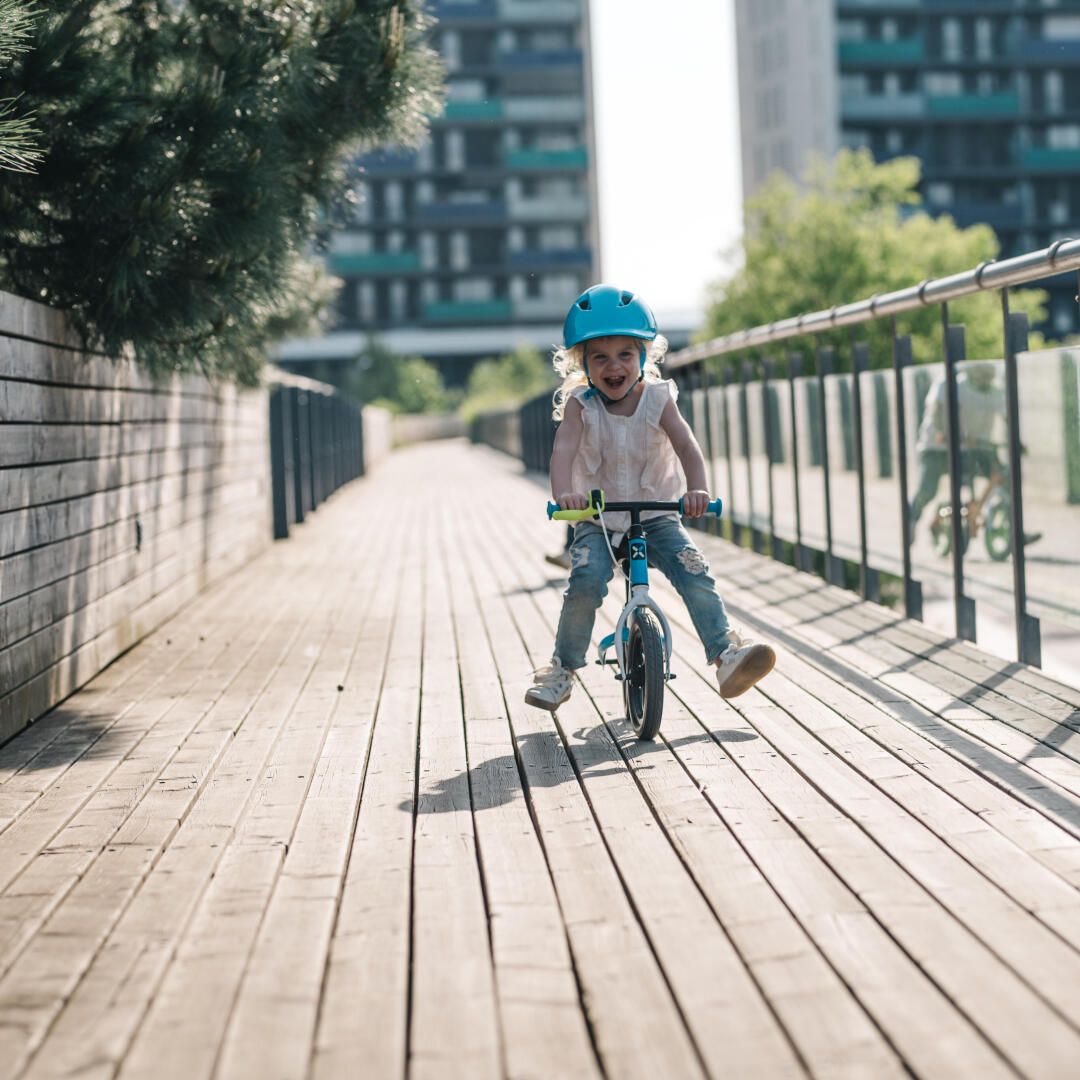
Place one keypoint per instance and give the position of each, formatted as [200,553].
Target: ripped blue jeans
[670,550]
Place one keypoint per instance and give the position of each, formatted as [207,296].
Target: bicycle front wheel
[997,531]
[643,688]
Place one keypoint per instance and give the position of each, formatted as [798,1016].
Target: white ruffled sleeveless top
[629,457]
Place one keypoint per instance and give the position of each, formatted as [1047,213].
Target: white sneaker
[742,663]
[551,686]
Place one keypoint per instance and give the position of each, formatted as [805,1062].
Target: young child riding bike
[621,431]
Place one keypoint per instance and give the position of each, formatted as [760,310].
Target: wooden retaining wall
[120,498]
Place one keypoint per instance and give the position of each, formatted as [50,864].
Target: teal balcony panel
[1050,159]
[904,50]
[466,311]
[882,106]
[378,262]
[471,110]
[577,158]
[540,11]
[1003,104]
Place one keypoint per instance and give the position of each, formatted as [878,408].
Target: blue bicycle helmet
[604,310]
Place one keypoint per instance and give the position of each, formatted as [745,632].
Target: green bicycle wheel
[643,688]
[997,531]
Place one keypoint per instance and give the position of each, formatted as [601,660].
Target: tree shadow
[64,735]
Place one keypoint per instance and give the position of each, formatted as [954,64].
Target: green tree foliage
[18,149]
[852,230]
[192,149]
[403,384]
[514,376]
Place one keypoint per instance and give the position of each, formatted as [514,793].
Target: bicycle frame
[637,586]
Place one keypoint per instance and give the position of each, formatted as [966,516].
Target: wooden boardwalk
[309,829]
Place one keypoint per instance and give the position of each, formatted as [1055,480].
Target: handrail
[1059,257]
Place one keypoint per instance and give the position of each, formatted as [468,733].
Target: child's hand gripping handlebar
[597,505]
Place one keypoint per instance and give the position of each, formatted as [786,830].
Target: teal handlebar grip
[713,507]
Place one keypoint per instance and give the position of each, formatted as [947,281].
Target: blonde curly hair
[569,364]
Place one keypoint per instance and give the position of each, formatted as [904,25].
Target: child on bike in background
[620,431]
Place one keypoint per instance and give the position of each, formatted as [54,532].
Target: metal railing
[316,446]
[709,410]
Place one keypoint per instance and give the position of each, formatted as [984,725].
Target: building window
[474,290]
[943,83]
[1053,91]
[984,39]
[939,193]
[850,30]
[952,39]
[1063,136]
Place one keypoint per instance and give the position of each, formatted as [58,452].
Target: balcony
[905,51]
[545,259]
[540,308]
[465,111]
[380,262]
[1050,159]
[540,11]
[554,109]
[447,10]
[882,107]
[974,105]
[453,213]
[389,161]
[467,311]
[996,215]
[1045,50]
[577,158]
[542,58]
[550,208]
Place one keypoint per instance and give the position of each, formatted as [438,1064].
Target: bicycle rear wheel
[643,688]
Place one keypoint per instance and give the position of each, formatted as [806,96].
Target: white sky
[667,133]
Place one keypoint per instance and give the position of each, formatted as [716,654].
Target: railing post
[794,371]
[301,452]
[913,602]
[736,528]
[834,571]
[768,372]
[711,523]
[746,373]
[860,362]
[954,354]
[279,463]
[1028,633]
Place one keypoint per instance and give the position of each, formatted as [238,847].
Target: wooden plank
[24,444]
[49,403]
[35,485]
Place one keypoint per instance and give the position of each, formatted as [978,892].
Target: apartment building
[985,92]
[479,239]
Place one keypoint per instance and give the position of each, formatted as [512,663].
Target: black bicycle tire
[643,690]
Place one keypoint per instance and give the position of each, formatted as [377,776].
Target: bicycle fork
[637,597]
